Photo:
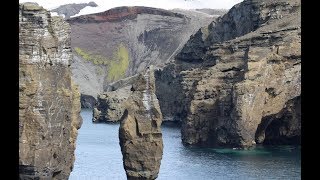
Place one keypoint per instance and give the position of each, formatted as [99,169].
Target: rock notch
[140,130]
[49,102]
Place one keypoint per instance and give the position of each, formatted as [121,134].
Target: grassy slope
[117,65]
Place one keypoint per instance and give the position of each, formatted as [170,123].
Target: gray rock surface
[111,104]
[87,101]
[49,101]
[243,68]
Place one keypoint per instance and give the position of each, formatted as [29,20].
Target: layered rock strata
[140,131]
[240,72]
[49,102]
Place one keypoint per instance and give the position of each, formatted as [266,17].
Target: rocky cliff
[111,104]
[237,82]
[49,102]
[123,41]
[140,130]
[69,10]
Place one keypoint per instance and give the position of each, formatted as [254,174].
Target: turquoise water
[98,156]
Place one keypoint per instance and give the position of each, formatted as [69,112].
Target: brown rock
[241,69]
[140,131]
[49,102]
[110,106]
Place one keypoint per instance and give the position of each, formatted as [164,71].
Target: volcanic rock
[140,131]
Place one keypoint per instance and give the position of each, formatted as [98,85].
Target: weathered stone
[110,106]
[140,131]
[87,101]
[242,68]
[49,102]
[283,127]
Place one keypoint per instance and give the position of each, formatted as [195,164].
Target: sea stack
[140,130]
[49,103]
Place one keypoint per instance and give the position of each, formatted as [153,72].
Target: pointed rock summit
[140,130]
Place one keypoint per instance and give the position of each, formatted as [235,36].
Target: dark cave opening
[283,128]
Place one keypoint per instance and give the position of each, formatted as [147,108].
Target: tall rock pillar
[140,130]
[49,103]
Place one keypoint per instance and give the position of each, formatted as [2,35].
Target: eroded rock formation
[110,107]
[111,104]
[87,101]
[49,102]
[140,130]
[241,71]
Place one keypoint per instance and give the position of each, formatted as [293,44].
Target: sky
[104,5]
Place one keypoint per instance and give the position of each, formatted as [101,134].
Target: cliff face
[123,41]
[111,104]
[49,102]
[140,130]
[239,77]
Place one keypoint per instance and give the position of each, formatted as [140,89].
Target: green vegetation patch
[117,66]
[95,59]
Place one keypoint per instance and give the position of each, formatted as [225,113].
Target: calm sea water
[98,156]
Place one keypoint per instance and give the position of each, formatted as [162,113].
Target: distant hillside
[219,12]
[122,41]
[69,10]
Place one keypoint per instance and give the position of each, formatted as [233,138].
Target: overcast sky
[104,5]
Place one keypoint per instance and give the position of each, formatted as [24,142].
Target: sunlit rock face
[240,72]
[49,102]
